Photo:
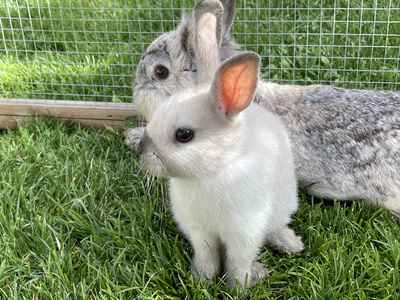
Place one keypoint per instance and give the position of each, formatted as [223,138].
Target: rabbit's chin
[152,164]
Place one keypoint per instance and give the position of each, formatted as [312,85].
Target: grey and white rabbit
[345,142]
[232,183]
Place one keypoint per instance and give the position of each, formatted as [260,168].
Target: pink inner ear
[237,83]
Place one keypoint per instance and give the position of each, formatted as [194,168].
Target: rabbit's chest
[206,206]
[218,208]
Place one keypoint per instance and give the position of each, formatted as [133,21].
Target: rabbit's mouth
[152,163]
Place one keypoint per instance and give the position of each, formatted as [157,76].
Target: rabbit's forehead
[157,54]
[193,113]
[190,102]
[161,45]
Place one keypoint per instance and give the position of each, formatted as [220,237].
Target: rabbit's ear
[207,50]
[213,7]
[224,11]
[229,15]
[235,84]
[201,37]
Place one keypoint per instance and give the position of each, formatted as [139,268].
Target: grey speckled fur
[346,143]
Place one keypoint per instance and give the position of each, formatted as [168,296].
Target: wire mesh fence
[87,50]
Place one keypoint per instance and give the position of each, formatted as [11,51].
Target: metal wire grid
[341,42]
[87,50]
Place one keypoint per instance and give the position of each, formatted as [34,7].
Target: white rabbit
[345,142]
[232,176]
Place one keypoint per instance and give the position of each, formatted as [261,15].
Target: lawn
[80,220]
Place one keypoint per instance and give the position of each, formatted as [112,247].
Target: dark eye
[161,72]
[184,135]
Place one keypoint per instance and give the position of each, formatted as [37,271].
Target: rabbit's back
[346,142]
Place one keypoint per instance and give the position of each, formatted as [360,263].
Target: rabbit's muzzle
[149,160]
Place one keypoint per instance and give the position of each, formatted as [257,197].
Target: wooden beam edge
[97,115]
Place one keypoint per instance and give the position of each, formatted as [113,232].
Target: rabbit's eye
[161,72]
[184,135]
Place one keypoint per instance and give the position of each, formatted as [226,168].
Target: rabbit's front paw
[203,271]
[258,271]
[253,276]
[285,239]
[133,136]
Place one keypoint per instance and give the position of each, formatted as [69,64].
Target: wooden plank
[97,115]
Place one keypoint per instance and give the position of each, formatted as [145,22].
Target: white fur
[233,185]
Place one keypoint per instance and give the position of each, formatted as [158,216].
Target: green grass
[79,220]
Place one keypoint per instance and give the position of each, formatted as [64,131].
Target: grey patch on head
[187,47]
[185,39]
[160,47]
[189,70]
